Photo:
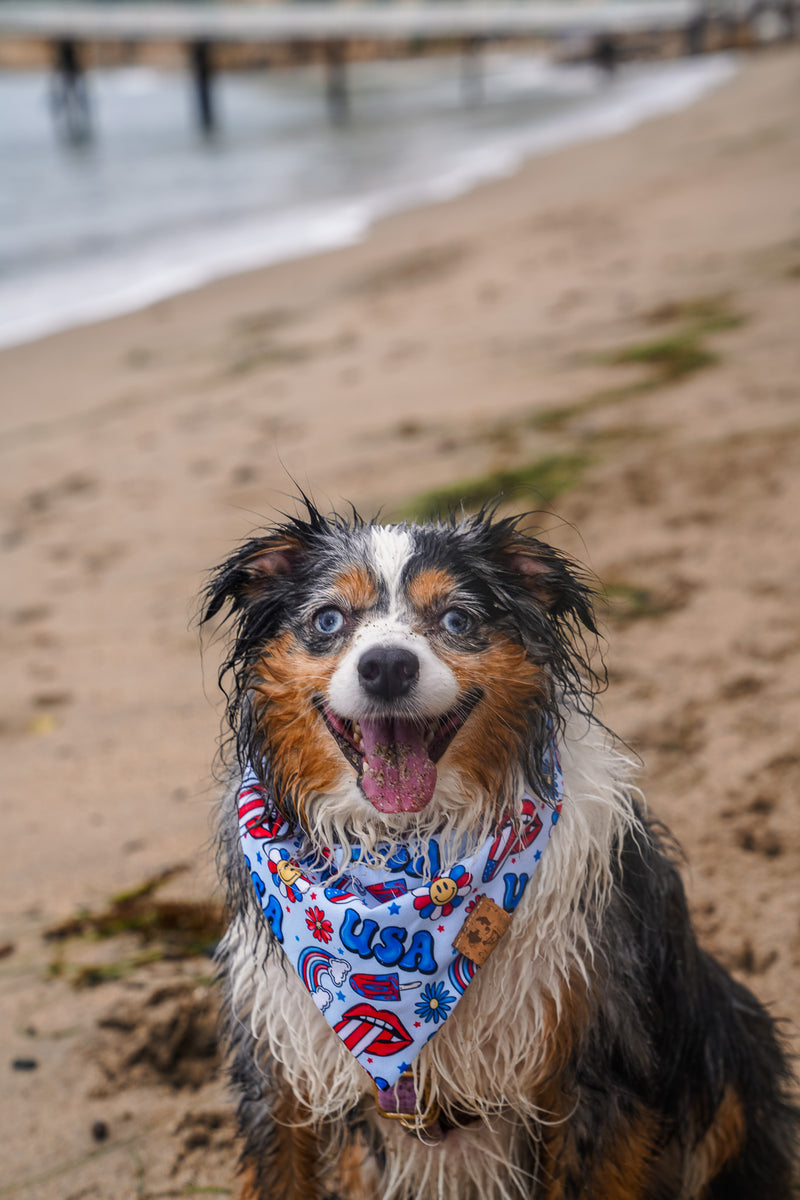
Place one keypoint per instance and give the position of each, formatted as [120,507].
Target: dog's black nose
[387,672]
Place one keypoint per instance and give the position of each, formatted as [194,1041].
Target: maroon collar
[426,1121]
[399,1102]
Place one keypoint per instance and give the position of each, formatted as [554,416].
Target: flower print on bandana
[350,926]
[286,875]
[444,893]
[319,924]
[435,1003]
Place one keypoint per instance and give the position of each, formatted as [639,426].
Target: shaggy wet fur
[599,1053]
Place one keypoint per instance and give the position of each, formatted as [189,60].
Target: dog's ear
[251,572]
[551,579]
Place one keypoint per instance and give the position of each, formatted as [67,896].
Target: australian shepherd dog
[411,702]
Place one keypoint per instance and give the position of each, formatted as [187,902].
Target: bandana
[387,952]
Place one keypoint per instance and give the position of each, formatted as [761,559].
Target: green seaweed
[193,1190]
[544,480]
[703,314]
[93,974]
[671,357]
[166,929]
[626,602]
[674,357]
[551,420]
[629,603]
[150,885]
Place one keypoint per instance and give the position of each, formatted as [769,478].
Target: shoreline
[639,93]
[612,332]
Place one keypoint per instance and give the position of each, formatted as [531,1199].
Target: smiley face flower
[287,876]
[442,894]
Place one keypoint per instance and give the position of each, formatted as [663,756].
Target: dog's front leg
[599,1146]
[281,1155]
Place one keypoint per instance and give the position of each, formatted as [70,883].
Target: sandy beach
[611,337]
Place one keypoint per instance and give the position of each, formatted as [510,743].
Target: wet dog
[460,964]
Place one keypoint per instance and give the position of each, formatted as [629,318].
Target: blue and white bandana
[374,946]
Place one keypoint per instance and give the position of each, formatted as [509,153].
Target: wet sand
[612,335]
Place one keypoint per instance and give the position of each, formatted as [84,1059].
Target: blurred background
[409,256]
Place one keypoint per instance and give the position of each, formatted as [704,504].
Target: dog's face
[397,676]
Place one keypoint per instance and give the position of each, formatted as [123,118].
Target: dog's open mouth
[396,758]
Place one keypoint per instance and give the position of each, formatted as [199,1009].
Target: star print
[340,996]
[313,895]
[440,928]
[394,907]
[369,1060]
[417,1024]
[404,1066]
[259,859]
[537,855]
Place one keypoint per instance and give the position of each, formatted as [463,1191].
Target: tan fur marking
[564,1016]
[720,1143]
[292,1172]
[250,1189]
[286,679]
[356,588]
[489,743]
[357,1176]
[625,1170]
[623,1174]
[430,589]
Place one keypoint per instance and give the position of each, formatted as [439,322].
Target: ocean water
[148,208]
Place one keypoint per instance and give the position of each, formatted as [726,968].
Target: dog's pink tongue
[398,775]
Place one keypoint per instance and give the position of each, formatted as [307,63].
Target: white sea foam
[148,211]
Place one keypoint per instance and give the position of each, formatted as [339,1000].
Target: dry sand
[470,338]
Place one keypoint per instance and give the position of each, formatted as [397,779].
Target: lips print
[364,1028]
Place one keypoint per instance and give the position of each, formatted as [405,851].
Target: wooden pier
[326,30]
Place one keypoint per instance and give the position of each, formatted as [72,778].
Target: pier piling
[697,34]
[471,70]
[316,30]
[70,99]
[202,67]
[605,54]
[336,82]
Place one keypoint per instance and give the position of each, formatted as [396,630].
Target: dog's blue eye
[329,620]
[455,620]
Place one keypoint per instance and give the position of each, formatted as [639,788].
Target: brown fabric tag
[482,930]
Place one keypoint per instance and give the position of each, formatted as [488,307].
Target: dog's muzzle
[395,755]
